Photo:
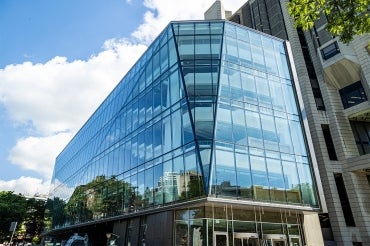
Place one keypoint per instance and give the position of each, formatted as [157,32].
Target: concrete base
[312,230]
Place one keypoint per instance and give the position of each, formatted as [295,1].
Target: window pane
[225,173]
[297,135]
[254,129]
[243,175]
[178,169]
[176,129]
[259,178]
[249,88]
[239,127]
[148,144]
[291,182]
[263,93]
[276,180]
[166,134]
[158,188]
[175,87]
[193,179]
[157,139]
[149,187]
[269,132]
[224,125]
[283,132]
[307,187]
[169,180]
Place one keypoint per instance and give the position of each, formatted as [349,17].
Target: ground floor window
[237,227]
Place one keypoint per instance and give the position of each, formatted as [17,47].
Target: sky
[58,61]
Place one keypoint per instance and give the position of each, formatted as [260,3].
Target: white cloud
[60,95]
[26,185]
[55,98]
[38,153]
[161,12]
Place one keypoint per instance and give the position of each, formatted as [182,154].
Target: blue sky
[58,60]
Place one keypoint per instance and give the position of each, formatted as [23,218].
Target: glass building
[201,143]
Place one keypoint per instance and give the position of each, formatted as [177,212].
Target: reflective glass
[239,126]
[223,123]
[306,185]
[291,182]
[225,173]
[178,170]
[244,182]
[158,187]
[254,130]
[276,180]
[169,181]
[149,188]
[176,134]
[297,135]
[165,108]
[259,178]
[166,134]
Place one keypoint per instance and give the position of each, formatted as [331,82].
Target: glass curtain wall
[137,151]
[259,151]
[209,109]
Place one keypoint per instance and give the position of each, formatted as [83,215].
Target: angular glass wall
[208,109]
[138,151]
[260,151]
[199,48]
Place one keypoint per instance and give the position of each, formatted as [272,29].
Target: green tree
[54,213]
[346,18]
[99,198]
[12,208]
[34,219]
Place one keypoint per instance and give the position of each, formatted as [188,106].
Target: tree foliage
[28,213]
[34,219]
[346,18]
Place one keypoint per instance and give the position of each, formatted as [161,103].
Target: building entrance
[295,240]
[274,240]
[225,225]
[220,238]
[246,242]
[246,239]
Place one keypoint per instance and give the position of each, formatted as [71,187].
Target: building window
[344,201]
[311,71]
[352,95]
[329,143]
[330,51]
[361,132]
[368,178]
[325,225]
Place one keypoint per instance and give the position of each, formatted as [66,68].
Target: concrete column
[312,230]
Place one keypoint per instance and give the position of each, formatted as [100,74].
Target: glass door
[278,243]
[295,240]
[220,238]
[246,242]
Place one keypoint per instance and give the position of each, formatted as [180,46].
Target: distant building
[203,142]
[217,12]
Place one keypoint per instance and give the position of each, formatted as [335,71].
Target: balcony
[340,64]
[359,163]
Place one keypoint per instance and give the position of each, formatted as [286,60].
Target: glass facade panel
[225,173]
[201,100]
